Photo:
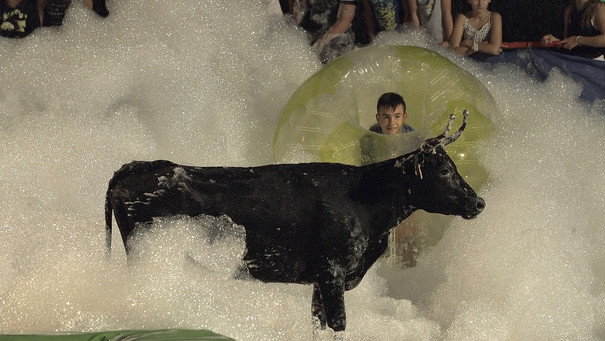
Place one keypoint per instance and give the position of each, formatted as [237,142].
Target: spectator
[328,24]
[20,17]
[479,30]
[383,15]
[391,113]
[55,10]
[584,29]
[433,15]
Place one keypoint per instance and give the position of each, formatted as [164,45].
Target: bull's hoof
[242,273]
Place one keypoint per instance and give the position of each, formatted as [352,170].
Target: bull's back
[278,205]
[136,169]
[247,195]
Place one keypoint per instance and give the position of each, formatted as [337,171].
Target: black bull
[316,223]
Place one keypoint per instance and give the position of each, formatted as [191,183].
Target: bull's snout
[476,208]
[480,204]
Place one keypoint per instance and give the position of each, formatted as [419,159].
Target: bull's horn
[457,134]
[448,127]
[431,144]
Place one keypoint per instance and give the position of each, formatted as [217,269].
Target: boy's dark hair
[390,100]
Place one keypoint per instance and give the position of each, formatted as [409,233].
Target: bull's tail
[108,216]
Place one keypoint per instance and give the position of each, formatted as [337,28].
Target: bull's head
[438,187]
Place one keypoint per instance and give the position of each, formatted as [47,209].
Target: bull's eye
[445,172]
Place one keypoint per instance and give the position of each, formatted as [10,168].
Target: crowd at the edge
[330,23]
[22,17]
[477,29]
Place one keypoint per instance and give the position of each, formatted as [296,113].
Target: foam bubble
[203,83]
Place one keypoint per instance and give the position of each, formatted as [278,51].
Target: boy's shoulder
[376,128]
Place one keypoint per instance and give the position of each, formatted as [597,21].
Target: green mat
[130,335]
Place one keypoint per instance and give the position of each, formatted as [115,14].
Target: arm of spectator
[549,39]
[447,20]
[368,17]
[456,42]
[594,41]
[344,18]
[566,15]
[40,5]
[413,7]
[599,23]
[298,10]
[492,46]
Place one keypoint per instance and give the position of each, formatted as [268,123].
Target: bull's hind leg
[319,313]
[126,225]
[120,214]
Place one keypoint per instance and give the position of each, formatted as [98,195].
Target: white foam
[203,83]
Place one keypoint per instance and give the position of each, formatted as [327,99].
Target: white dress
[431,18]
[477,35]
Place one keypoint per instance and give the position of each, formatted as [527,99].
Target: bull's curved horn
[431,144]
[448,127]
[457,134]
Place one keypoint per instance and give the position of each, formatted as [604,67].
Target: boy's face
[391,120]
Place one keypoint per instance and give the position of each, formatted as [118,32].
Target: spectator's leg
[54,12]
[98,6]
